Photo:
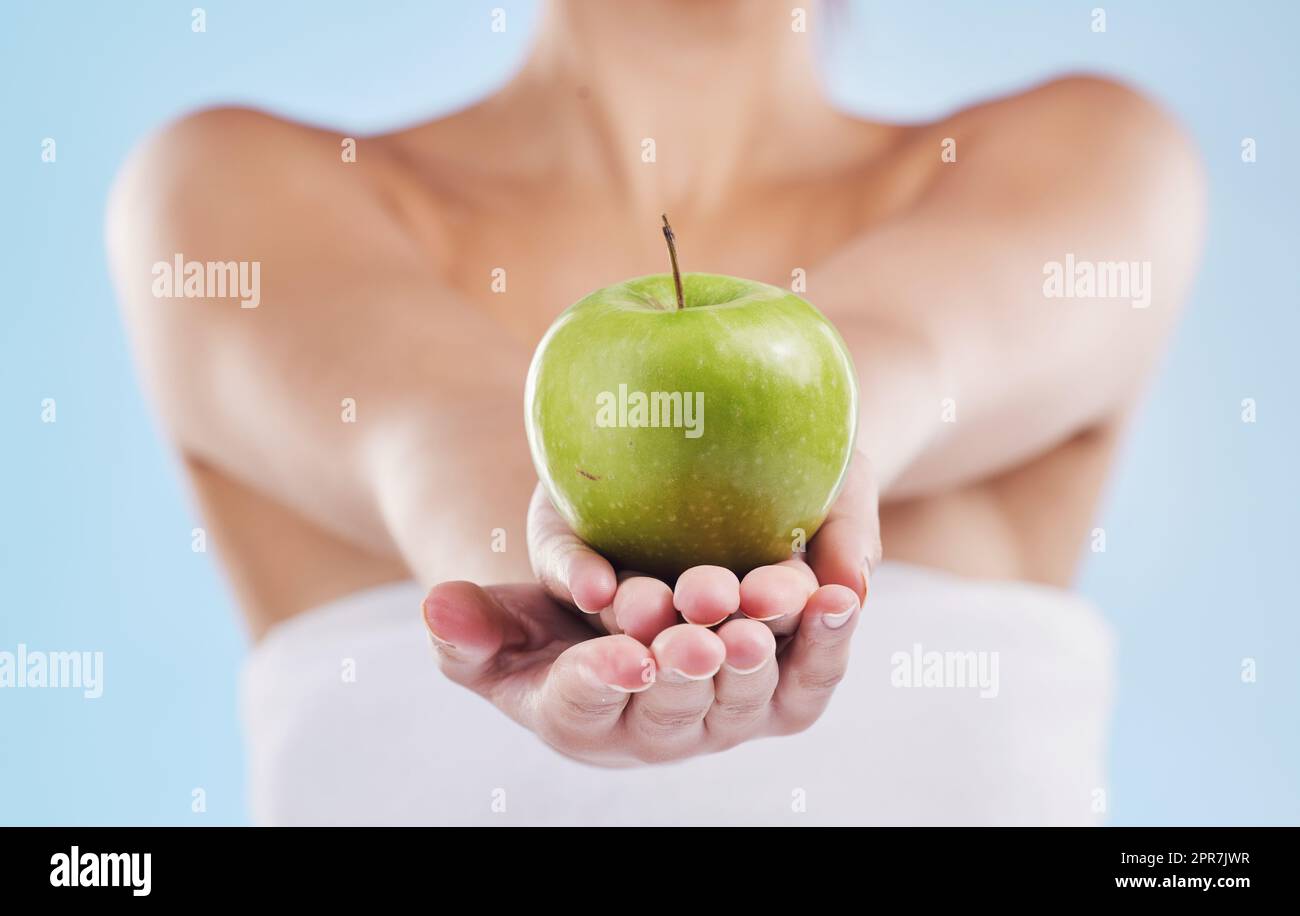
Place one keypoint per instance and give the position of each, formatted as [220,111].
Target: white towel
[966,702]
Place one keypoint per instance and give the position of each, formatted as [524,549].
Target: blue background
[95,525]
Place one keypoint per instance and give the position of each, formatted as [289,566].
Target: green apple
[685,419]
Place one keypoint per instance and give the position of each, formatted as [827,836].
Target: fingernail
[767,619]
[437,641]
[837,620]
[643,687]
[580,606]
[679,673]
[759,667]
[707,623]
[866,576]
[568,587]
[595,680]
[648,674]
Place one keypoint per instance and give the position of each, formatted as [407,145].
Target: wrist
[901,405]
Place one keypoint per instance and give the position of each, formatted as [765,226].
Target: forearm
[951,395]
[452,492]
[968,366]
[380,423]
[361,389]
[395,446]
[960,386]
[899,394]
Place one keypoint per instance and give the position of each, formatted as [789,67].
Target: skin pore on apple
[616,404]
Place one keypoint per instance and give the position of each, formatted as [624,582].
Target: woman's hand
[681,689]
[843,552]
[614,701]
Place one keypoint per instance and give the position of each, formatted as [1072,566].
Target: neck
[712,84]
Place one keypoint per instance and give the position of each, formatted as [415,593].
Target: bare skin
[376,286]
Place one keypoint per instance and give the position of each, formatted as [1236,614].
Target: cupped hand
[684,671]
[843,552]
[616,701]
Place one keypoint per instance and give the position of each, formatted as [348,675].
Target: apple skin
[780,417]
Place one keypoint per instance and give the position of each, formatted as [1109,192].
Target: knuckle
[666,720]
[580,711]
[818,680]
[570,737]
[741,709]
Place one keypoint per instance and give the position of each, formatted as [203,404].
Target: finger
[569,570]
[707,595]
[775,595]
[667,721]
[486,635]
[742,690]
[847,545]
[468,628]
[586,692]
[643,608]
[816,658]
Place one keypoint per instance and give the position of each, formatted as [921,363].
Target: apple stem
[672,254]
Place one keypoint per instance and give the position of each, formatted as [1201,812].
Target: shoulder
[226,174]
[1089,127]
[206,153]
[1093,157]
[1113,102]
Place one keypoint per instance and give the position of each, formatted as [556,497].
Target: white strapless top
[966,702]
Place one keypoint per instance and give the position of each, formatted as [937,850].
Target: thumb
[847,546]
[468,628]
